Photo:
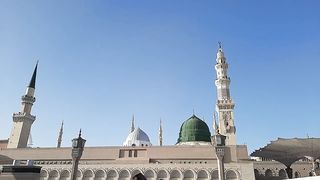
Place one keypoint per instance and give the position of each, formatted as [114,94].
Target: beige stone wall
[166,162]
[119,154]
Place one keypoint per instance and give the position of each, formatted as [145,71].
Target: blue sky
[102,61]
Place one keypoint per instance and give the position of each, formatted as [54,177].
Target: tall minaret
[60,136]
[23,120]
[160,134]
[224,105]
[132,124]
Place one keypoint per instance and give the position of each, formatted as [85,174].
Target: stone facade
[166,162]
[273,169]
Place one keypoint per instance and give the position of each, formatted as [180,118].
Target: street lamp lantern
[78,142]
[220,140]
[77,149]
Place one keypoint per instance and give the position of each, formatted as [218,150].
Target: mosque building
[192,157]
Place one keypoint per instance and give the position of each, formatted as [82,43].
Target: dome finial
[220,44]
[80,133]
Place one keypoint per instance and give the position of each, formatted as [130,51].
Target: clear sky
[102,61]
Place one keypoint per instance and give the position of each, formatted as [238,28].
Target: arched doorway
[268,173]
[139,176]
[283,173]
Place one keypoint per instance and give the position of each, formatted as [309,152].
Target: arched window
[188,174]
[175,174]
[64,174]
[162,174]
[112,174]
[135,153]
[202,175]
[124,174]
[231,175]
[130,153]
[149,174]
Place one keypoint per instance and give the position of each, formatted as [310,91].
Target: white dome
[137,138]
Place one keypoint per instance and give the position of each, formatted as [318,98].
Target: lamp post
[77,149]
[219,142]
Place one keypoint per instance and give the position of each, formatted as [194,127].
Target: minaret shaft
[22,121]
[225,104]
[60,136]
[160,134]
[132,124]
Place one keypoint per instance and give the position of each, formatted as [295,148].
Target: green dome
[194,129]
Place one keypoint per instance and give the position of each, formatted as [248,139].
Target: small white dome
[137,138]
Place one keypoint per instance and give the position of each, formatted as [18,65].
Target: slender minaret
[60,136]
[23,120]
[132,124]
[160,134]
[224,105]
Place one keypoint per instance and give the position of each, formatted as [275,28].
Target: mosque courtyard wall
[166,162]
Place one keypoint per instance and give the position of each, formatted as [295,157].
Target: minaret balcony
[23,116]
[222,65]
[225,104]
[222,80]
[28,99]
